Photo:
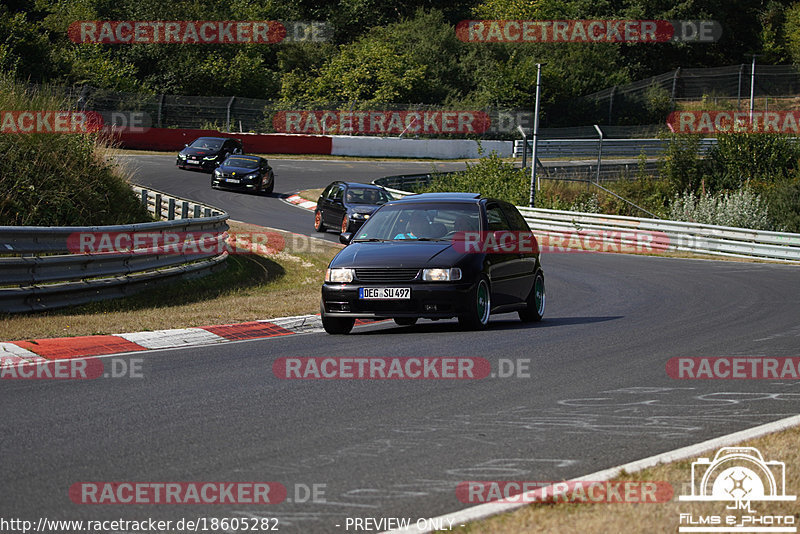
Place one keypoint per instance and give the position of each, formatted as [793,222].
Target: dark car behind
[345,206]
[206,153]
[245,173]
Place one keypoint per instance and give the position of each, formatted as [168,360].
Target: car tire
[271,187]
[319,226]
[335,325]
[405,321]
[536,301]
[477,318]
[345,223]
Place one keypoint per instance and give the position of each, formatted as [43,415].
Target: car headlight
[441,275]
[361,216]
[217,172]
[182,156]
[209,158]
[253,176]
[339,275]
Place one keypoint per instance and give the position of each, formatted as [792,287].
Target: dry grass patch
[252,287]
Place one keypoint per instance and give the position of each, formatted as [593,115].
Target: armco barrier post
[157,206]
[171,209]
[184,209]
[196,211]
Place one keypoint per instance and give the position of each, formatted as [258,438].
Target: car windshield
[208,144]
[420,221]
[367,195]
[245,163]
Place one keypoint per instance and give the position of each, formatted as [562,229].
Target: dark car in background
[245,173]
[345,206]
[410,261]
[206,153]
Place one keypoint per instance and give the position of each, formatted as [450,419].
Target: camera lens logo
[738,476]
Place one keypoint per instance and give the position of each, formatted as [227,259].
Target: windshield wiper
[370,240]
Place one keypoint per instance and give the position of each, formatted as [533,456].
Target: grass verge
[252,287]
[652,517]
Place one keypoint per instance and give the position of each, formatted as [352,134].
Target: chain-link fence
[651,99]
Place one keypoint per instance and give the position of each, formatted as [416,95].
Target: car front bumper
[429,300]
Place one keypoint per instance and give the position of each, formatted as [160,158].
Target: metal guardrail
[41,269]
[612,148]
[680,236]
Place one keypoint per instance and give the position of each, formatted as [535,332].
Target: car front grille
[387,274]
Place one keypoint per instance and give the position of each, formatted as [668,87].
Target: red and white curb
[300,202]
[39,350]
[483,511]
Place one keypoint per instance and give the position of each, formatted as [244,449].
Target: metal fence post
[228,114]
[171,209]
[675,84]
[157,206]
[185,210]
[144,198]
[524,146]
[160,106]
[599,152]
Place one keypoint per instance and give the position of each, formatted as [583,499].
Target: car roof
[441,197]
[367,186]
[217,138]
[245,156]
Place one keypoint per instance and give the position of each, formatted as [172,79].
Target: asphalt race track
[597,394]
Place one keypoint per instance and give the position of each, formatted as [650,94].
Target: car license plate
[384,293]
[193,162]
[232,180]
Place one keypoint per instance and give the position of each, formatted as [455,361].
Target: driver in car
[417,227]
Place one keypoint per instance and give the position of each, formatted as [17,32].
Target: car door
[334,210]
[501,267]
[525,256]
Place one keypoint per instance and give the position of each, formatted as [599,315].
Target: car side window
[518,223]
[495,218]
[337,193]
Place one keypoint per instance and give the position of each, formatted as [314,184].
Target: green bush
[739,158]
[489,176]
[681,165]
[59,179]
[784,203]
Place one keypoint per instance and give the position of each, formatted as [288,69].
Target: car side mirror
[345,238]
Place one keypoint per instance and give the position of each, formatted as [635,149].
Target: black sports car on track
[435,256]
[345,206]
[246,173]
[206,153]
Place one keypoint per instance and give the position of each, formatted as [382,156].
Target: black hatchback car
[345,206]
[426,256]
[206,153]
[245,173]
